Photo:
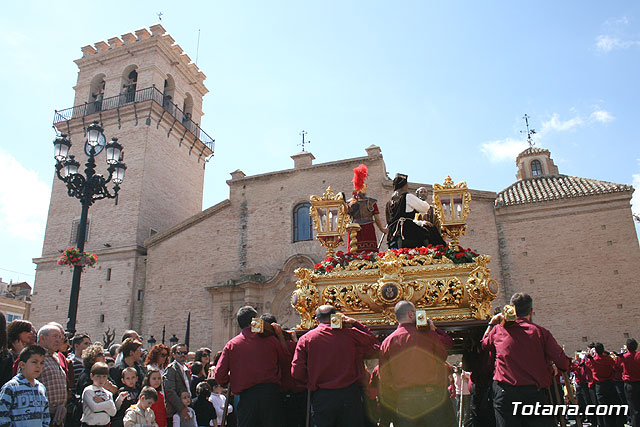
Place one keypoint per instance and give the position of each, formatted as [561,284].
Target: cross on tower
[303,133]
[529,131]
[159,16]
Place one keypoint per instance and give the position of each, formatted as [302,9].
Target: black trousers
[424,406]
[295,409]
[596,420]
[503,397]
[632,391]
[337,408]
[260,406]
[481,412]
[607,395]
[582,396]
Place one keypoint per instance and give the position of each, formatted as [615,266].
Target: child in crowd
[218,399]
[185,397]
[24,398]
[97,402]
[141,414]
[205,412]
[197,376]
[129,380]
[154,380]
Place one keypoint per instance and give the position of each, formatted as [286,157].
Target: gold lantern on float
[451,204]
[330,219]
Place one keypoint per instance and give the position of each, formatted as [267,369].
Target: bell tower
[144,90]
[534,162]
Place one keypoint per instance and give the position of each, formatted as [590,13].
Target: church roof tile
[554,187]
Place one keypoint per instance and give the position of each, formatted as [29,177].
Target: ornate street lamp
[451,204]
[330,218]
[151,341]
[173,340]
[87,188]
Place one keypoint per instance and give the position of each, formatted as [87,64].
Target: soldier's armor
[362,210]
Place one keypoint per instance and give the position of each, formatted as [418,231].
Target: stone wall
[579,260]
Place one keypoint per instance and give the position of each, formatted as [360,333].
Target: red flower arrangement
[74,258]
[461,256]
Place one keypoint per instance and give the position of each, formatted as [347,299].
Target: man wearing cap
[523,355]
[400,211]
[325,359]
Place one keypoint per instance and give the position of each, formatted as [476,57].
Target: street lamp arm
[99,190]
[76,183]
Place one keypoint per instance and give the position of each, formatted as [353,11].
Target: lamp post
[151,341]
[87,188]
[173,340]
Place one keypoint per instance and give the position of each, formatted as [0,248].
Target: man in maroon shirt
[523,354]
[255,365]
[629,361]
[413,374]
[294,393]
[582,386]
[325,359]
[602,366]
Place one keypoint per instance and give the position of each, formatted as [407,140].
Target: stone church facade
[570,242]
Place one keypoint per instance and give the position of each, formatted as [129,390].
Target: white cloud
[24,200]
[602,116]
[606,43]
[555,124]
[503,149]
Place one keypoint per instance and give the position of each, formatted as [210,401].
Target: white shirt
[185,377]
[461,382]
[97,413]
[414,203]
[218,401]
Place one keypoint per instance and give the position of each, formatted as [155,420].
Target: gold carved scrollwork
[481,289]
[390,266]
[369,291]
[440,292]
[306,298]
[344,298]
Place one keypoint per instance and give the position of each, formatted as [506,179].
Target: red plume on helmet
[359,175]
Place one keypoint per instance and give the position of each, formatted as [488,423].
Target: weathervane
[159,16]
[529,131]
[303,133]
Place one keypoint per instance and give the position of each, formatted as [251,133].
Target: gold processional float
[450,285]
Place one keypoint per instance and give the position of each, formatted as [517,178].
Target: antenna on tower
[198,46]
[303,133]
[530,132]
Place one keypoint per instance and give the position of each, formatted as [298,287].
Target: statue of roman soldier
[364,211]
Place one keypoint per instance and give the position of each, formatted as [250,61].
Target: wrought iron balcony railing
[132,96]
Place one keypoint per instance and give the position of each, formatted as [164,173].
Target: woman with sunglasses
[158,357]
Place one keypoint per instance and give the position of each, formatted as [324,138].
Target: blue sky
[441,87]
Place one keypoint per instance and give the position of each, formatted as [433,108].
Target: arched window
[129,83]
[167,95]
[302,223]
[96,93]
[536,168]
[187,107]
